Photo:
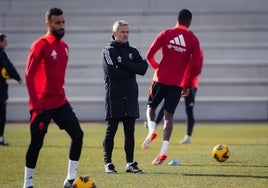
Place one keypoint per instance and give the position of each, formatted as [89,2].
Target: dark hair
[53,12]
[2,37]
[185,17]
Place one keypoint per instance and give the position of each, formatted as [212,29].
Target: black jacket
[12,72]
[121,63]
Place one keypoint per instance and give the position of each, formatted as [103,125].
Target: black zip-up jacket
[12,72]
[121,63]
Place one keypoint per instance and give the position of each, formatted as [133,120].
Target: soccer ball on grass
[221,152]
[84,182]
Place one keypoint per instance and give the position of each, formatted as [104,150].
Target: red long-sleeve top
[180,52]
[195,82]
[45,72]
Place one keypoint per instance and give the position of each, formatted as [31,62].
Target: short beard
[57,33]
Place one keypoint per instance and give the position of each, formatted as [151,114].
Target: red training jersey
[45,73]
[179,46]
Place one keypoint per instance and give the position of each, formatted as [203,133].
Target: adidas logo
[179,40]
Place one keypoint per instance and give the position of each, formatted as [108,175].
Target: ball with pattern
[221,152]
[84,182]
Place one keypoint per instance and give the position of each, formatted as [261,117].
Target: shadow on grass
[248,144]
[227,175]
[211,175]
[232,165]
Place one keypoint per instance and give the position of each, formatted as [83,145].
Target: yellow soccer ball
[221,152]
[84,182]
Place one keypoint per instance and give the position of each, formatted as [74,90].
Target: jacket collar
[118,44]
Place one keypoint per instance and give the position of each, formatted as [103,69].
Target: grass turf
[247,166]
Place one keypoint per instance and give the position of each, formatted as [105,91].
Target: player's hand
[185,92]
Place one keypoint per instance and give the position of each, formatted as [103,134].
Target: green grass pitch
[246,167]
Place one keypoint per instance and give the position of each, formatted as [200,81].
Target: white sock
[107,164]
[28,177]
[151,126]
[164,147]
[128,164]
[1,138]
[187,137]
[72,170]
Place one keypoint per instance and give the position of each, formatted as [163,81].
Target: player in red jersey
[189,108]
[45,72]
[173,76]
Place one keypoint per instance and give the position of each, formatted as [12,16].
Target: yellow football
[221,152]
[84,182]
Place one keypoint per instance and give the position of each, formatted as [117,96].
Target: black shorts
[63,116]
[170,94]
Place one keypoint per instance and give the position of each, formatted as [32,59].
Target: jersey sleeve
[155,46]
[201,59]
[32,65]
[194,66]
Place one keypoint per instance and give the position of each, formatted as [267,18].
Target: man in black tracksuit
[7,71]
[121,63]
